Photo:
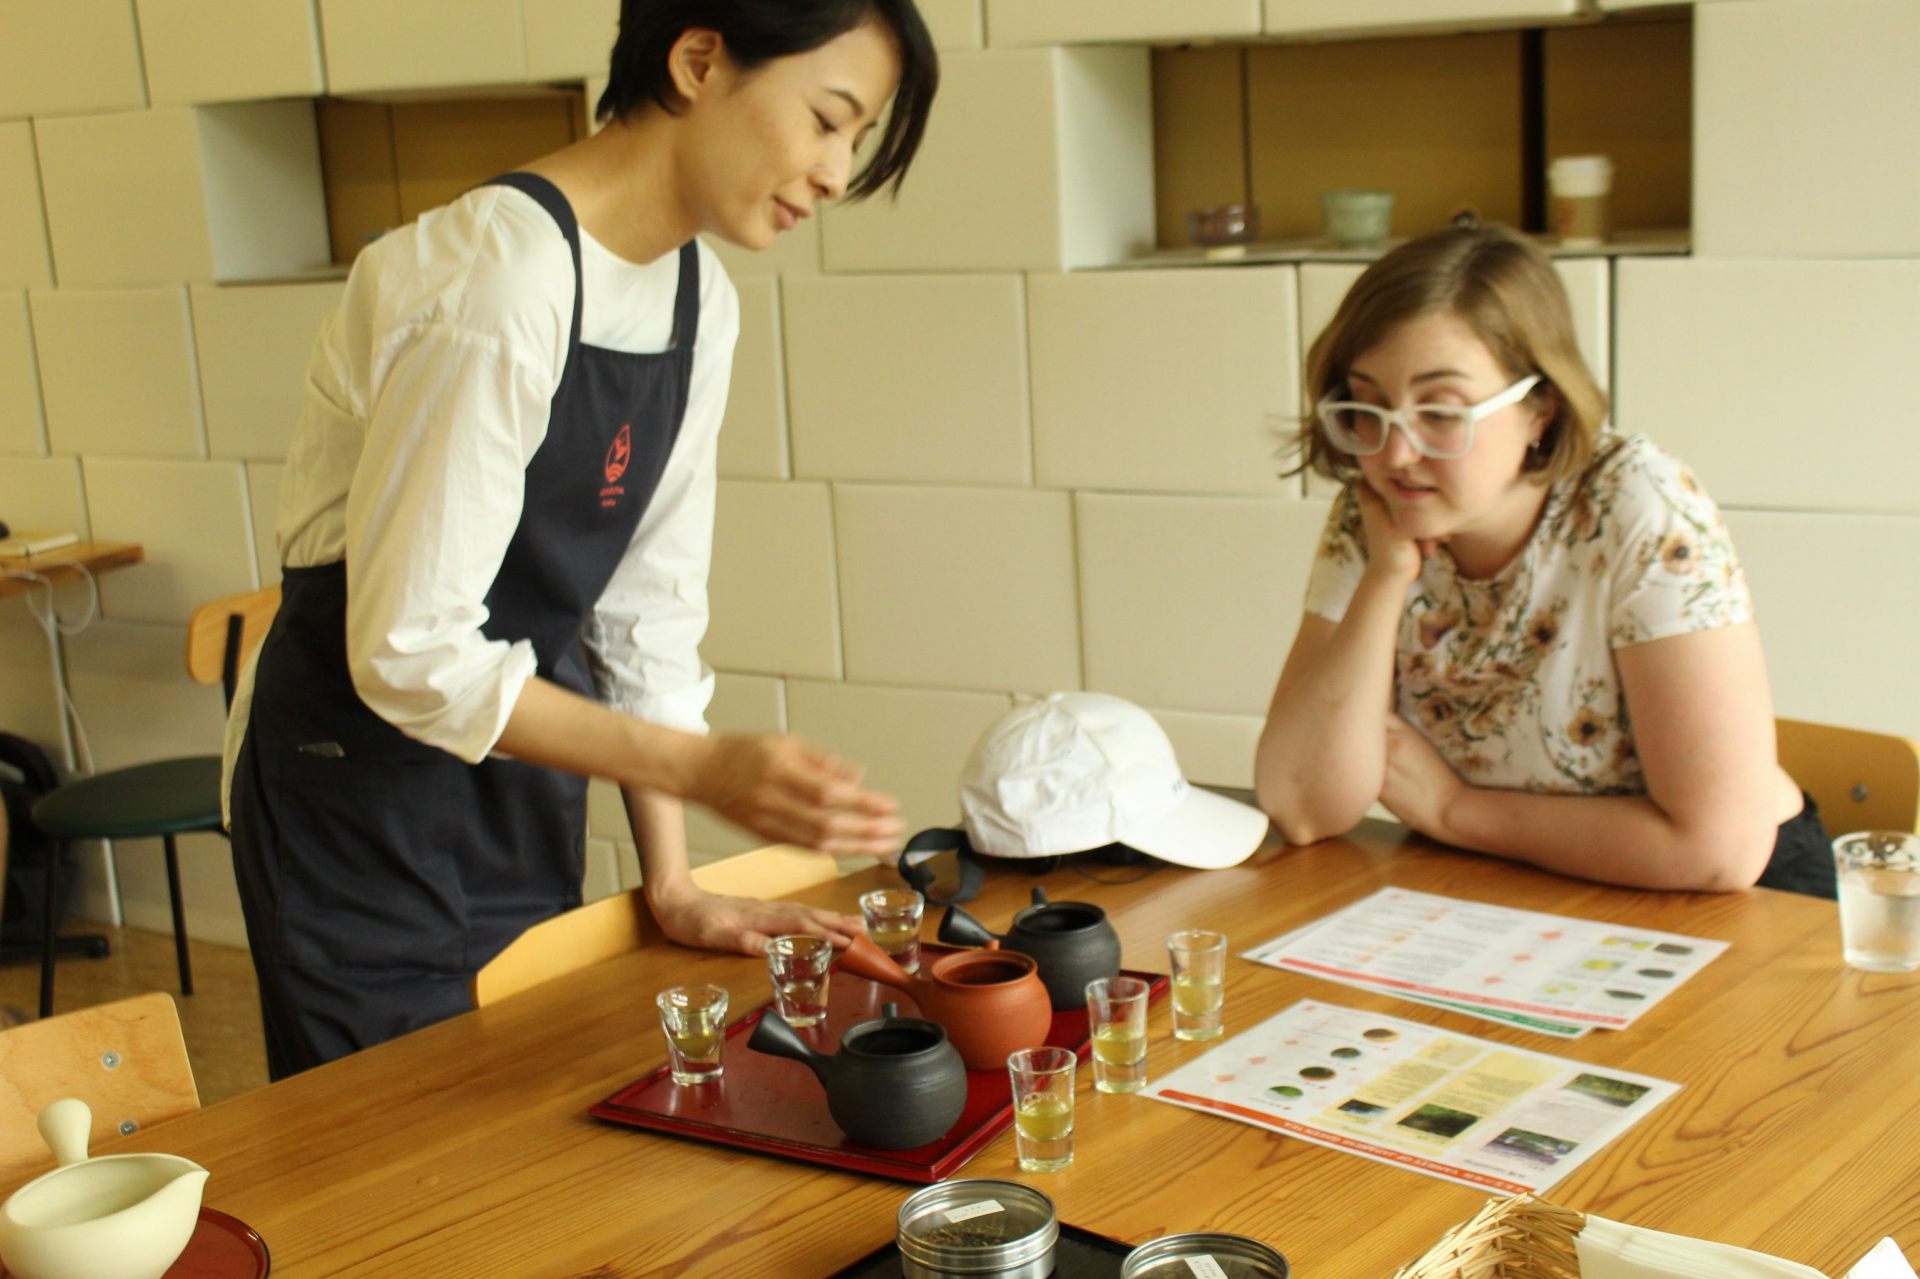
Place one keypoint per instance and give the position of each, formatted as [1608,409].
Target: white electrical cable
[47,617]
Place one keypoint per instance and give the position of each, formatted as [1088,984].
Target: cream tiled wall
[24,258]
[909,377]
[252,343]
[1078,192]
[229,50]
[22,429]
[399,45]
[1018,22]
[1163,380]
[958,466]
[1802,132]
[58,57]
[117,372]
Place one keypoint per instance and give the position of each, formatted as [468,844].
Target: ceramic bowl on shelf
[1224,225]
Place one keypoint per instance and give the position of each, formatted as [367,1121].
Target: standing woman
[496,525]
[1523,636]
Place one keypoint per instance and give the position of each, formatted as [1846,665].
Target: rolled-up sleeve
[643,641]
[455,418]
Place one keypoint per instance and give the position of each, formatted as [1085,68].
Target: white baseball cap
[1083,770]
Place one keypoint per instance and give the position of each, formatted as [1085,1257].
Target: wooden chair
[1861,780]
[584,936]
[598,931]
[768,872]
[126,1060]
[166,798]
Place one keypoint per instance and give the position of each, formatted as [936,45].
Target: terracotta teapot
[896,1082]
[111,1217]
[991,1001]
[1073,943]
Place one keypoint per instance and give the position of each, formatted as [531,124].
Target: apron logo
[619,453]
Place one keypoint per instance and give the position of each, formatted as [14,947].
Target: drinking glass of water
[892,917]
[1042,1107]
[1879,874]
[1199,962]
[798,965]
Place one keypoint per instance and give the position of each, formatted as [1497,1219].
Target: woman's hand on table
[708,921]
[786,790]
[1419,784]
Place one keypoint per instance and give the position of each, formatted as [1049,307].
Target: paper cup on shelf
[1581,190]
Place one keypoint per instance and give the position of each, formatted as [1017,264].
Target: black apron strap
[548,197]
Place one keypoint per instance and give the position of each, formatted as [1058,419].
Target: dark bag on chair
[26,774]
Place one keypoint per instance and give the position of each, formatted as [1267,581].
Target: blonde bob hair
[1506,290]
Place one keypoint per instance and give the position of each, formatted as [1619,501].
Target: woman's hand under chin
[1389,551]
[1419,785]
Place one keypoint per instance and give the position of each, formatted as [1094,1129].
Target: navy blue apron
[377,874]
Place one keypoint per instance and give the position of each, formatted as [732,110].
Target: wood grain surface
[466,1150]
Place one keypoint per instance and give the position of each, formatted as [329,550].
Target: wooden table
[465,1150]
[63,564]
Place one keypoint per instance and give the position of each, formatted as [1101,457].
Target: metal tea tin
[977,1228]
[1204,1255]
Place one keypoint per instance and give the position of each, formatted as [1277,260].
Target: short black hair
[758,31]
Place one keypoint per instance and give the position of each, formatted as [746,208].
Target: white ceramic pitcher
[112,1217]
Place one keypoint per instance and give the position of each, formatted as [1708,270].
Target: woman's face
[1480,497]
[769,145]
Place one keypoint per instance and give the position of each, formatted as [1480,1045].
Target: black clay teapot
[1072,942]
[896,1082]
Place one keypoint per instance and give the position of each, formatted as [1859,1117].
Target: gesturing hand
[782,789]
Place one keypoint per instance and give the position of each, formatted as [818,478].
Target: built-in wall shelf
[1628,244]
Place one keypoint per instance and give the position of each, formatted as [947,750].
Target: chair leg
[179,917]
[49,944]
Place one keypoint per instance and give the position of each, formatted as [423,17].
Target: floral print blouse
[1512,677]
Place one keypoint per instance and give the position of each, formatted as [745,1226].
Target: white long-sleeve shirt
[427,396]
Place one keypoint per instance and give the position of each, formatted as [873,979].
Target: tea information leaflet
[1450,1106]
[1554,974]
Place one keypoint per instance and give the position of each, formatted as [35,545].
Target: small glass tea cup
[694,1020]
[1042,1107]
[892,917]
[1117,1018]
[1199,962]
[798,965]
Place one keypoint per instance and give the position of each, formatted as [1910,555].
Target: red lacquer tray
[777,1107]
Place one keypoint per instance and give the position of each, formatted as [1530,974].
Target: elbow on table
[1299,822]
[1731,856]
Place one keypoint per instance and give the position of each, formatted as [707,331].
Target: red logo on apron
[619,453]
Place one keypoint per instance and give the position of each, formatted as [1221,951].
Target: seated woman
[1523,636]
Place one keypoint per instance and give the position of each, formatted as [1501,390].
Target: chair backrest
[126,1060]
[580,938]
[223,633]
[773,871]
[1861,780]
[598,931]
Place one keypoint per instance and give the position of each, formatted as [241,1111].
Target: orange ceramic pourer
[991,1001]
